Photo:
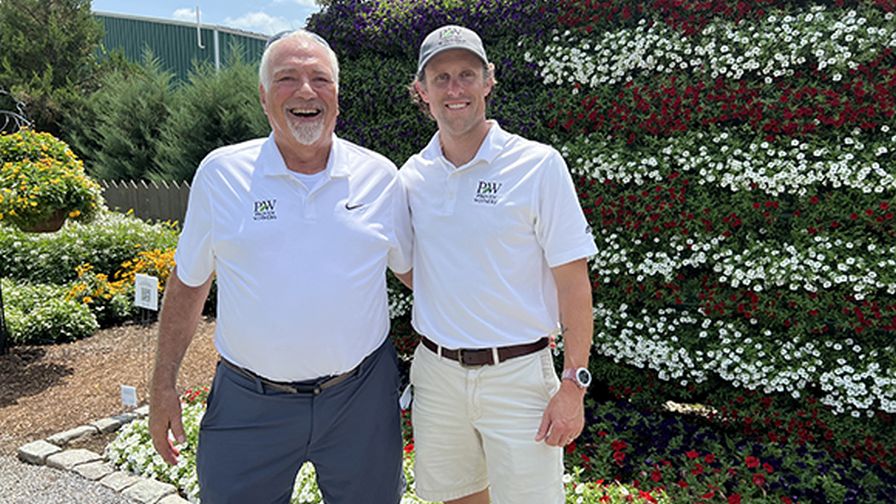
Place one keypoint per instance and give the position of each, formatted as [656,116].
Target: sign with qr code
[146,292]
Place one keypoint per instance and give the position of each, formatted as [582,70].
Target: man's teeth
[456,105]
[304,112]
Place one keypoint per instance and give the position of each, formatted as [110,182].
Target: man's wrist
[578,376]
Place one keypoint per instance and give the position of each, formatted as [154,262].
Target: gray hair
[264,74]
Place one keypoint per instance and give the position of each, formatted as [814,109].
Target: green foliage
[213,110]
[49,56]
[40,313]
[120,130]
[106,243]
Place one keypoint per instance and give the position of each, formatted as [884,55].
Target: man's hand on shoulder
[564,418]
[165,416]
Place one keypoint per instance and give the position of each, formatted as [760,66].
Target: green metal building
[178,44]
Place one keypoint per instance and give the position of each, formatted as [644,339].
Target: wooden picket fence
[149,201]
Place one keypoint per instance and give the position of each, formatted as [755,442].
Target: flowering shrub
[40,313]
[111,239]
[111,298]
[40,176]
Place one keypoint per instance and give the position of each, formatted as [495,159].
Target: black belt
[484,356]
[313,387]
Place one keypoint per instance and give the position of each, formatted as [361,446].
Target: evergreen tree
[126,116]
[212,110]
[49,58]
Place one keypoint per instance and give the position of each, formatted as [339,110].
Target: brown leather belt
[313,387]
[484,356]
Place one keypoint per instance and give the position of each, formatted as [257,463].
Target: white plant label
[146,291]
[129,395]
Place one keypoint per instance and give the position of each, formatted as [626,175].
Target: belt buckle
[462,358]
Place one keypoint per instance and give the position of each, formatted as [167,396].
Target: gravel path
[22,483]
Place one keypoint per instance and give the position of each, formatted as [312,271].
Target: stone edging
[52,452]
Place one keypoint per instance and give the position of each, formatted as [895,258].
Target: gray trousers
[253,440]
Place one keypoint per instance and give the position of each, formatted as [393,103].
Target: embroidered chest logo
[265,209]
[487,192]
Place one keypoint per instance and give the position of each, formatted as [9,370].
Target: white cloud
[260,22]
[185,14]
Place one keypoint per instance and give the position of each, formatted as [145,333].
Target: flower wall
[736,161]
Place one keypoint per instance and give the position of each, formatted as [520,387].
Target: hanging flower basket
[51,225]
[43,183]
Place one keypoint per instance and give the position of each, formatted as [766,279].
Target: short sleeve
[560,224]
[194,256]
[401,254]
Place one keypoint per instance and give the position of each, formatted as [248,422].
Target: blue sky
[267,17]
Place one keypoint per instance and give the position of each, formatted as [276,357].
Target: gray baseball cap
[449,37]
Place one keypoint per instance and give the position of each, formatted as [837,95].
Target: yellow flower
[74,213]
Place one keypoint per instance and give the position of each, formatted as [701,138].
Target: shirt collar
[491,146]
[273,164]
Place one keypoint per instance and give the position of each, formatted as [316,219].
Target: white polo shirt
[486,235]
[301,273]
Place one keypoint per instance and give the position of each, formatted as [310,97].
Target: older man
[499,267]
[299,228]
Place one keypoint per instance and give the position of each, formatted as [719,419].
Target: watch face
[583,376]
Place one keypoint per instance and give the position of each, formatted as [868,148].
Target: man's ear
[261,94]
[490,80]
[421,89]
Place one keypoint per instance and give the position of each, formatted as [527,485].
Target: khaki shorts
[474,428]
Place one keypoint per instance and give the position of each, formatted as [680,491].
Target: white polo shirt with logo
[486,235]
[300,273]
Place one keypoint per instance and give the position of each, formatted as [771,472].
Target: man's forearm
[576,320]
[181,310]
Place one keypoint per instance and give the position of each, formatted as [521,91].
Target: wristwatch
[580,376]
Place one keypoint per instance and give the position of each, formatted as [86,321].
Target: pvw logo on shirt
[265,209]
[487,192]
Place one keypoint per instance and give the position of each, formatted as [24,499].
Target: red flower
[646,496]
[752,462]
[708,495]
[786,500]
[759,479]
[656,475]
[408,448]
[692,454]
[618,444]
[734,499]
[709,458]
[619,457]
[697,470]
[768,468]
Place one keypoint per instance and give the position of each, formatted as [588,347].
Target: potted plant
[43,183]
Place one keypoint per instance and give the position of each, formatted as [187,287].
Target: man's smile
[305,112]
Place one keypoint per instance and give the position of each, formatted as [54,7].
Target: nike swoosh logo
[352,207]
